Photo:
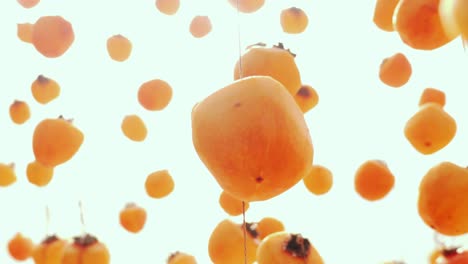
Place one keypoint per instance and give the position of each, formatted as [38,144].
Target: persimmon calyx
[85,240]
[297,246]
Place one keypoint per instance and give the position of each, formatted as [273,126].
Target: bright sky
[358,118]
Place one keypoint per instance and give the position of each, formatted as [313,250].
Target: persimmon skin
[56,141]
[52,36]
[119,47]
[319,180]
[155,95]
[432,95]
[19,112]
[430,129]
[7,174]
[231,205]
[133,218]
[461,258]
[226,244]
[293,20]
[49,251]
[45,89]
[418,23]
[253,138]
[274,249]
[247,6]
[28,3]
[269,225]
[275,62]
[39,174]
[20,247]
[373,180]
[396,70]
[383,14]
[443,199]
[159,184]
[306,98]
[200,26]
[167,7]
[82,251]
[181,258]
[134,128]
[24,32]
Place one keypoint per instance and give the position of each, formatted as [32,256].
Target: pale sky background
[358,118]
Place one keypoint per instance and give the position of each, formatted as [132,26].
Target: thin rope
[83,226]
[239,40]
[245,232]
[47,223]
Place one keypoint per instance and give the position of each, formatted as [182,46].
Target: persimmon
[319,180]
[49,251]
[86,249]
[373,180]
[132,217]
[134,128]
[19,112]
[28,3]
[454,17]
[45,89]
[55,141]
[283,247]
[20,247]
[179,257]
[155,95]
[443,199]
[39,174]
[306,98]
[52,36]
[293,20]
[383,14]
[432,95]
[396,70]
[119,47]
[461,258]
[168,7]
[159,184]
[275,62]
[226,243]
[435,255]
[231,205]
[7,174]
[200,26]
[430,129]
[253,138]
[247,6]
[269,225]
[24,32]
[418,23]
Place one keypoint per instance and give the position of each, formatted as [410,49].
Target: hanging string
[47,222]
[239,40]
[83,227]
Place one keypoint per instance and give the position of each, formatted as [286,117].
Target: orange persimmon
[396,70]
[275,62]
[269,225]
[155,95]
[28,3]
[134,128]
[39,174]
[283,247]
[460,258]
[247,6]
[24,32]
[119,47]
[319,180]
[231,205]
[179,257]
[432,95]
[430,129]
[383,14]
[20,247]
[226,243]
[132,217]
[159,184]
[200,26]
[167,7]
[49,251]
[419,24]
[55,141]
[86,249]
[252,153]
[443,199]
[373,180]
[44,89]
[7,174]
[52,36]
[293,20]
[306,98]
[19,112]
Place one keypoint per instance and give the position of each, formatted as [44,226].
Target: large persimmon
[253,138]
[49,251]
[52,36]
[247,6]
[86,249]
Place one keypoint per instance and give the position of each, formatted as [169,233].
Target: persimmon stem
[83,226]
[244,225]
